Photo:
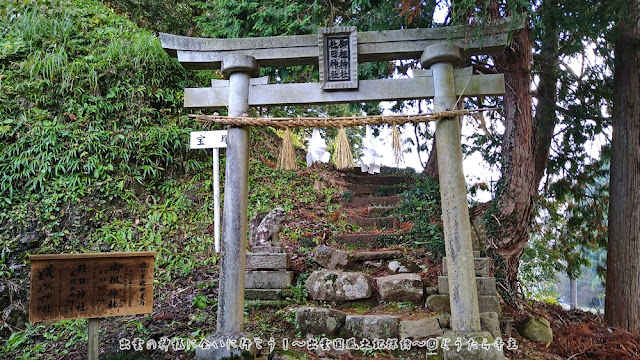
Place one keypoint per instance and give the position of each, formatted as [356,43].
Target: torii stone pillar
[239,69]
[463,294]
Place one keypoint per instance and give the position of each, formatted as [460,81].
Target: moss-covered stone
[319,321]
[438,303]
[490,321]
[536,329]
[401,287]
[371,326]
[335,285]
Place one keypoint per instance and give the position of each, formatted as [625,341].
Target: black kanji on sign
[338,58]
[338,49]
[46,273]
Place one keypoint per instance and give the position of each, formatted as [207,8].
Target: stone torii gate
[338,51]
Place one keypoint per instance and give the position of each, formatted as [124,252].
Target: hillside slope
[94,157]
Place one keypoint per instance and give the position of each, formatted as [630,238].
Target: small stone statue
[264,234]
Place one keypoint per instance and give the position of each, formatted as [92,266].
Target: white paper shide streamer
[371,159]
[317,149]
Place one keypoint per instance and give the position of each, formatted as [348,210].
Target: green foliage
[551,300]
[575,216]
[34,340]
[171,16]
[346,196]
[299,292]
[200,301]
[538,269]
[92,142]
[270,188]
[573,76]
[5,270]
[421,207]
[90,111]
[572,224]
[93,152]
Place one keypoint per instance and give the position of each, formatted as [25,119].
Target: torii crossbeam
[337,51]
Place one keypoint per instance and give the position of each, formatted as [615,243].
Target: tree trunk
[546,118]
[622,304]
[432,164]
[573,293]
[517,187]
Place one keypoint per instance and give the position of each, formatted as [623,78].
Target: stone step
[354,171]
[400,287]
[361,201]
[317,321]
[368,240]
[256,261]
[420,329]
[482,266]
[377,179]
[380,210]
[371,326]
[440,303]
[368,189]
[362,189]
[375,255]
[380,222]
[332,258]
[267,294]
[261,304]
[268,279]
[486,285]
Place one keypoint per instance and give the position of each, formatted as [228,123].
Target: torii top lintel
[207,53]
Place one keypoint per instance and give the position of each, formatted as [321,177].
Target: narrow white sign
[212,140]
[208,139]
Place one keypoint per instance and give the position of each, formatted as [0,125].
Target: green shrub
[421,207]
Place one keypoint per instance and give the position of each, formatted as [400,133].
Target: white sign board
[212,140]
[208,139]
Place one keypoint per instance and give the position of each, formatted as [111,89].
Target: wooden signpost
[94,285]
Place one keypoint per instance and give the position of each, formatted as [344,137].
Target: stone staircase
[356,272]
[374,197]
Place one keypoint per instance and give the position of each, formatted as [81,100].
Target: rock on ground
[330,258]
[401,287]
[371,326]
[420,329]
[319,321]
[335,285]
[536,329]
